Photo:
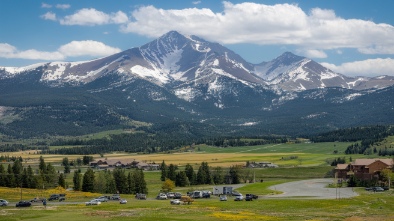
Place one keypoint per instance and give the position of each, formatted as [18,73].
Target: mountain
[192,83]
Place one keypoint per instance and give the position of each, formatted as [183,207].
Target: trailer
[219,190]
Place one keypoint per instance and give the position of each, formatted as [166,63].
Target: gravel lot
[313,189]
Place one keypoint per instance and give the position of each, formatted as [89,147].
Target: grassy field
[296,161]
[366,207]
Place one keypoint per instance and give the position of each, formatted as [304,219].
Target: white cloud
[369,67]
[314,53]
[63,6]
[196,2]
[87,48]
[285,24]
[49,16]
[92,17]
[72,49]
[45,5]
[9,51]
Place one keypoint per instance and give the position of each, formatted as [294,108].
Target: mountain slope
[188,82]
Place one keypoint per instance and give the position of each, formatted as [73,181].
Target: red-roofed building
[363,169]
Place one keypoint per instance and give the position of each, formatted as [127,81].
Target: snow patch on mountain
[17,70]
[170,61]
[144,72]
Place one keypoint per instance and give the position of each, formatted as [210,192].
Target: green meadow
[296,162]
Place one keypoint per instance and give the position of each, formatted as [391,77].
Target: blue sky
[352,37]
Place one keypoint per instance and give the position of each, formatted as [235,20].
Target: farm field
[296,162]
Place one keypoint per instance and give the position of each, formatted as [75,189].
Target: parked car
[175,202]
[177,195]
[140,196]
[37,199]
[123,201]
[161,196]
[170,195]
[239,198]
[115,197]
[250,197]
[23,204]
[235,193]
[223,198]
[3,202]
[54,197]
[102,199]
[206,194]
[93,202]
[377,189]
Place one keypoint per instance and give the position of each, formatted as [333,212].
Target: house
[342,171]
[113,163]
[363,169]
[367,169]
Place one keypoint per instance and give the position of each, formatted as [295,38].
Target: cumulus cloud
[196,2]
[369,67]
[92,17]
[90,48]
[49,16]
[72,49]
[9,51]
[286,24]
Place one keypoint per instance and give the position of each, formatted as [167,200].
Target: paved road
[313,189]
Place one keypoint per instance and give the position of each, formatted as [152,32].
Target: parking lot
[314,189]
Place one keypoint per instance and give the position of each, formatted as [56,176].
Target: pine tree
[10,177]
[88,181]
[217,175]
[77,180]
[31,179]
[143,188]
[62,181]
[2,175]
[17,170]
[42,166]
[66,165]
[171,172]
[120,180]
[130,184]
[51,177]
[191,175]
[181,179]
[164,171]
[100,182]
[111,185]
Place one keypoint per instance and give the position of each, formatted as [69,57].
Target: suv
[3,202]
[102,199]
[250,197]
[161,196]
[140,196]
[115,197]
[54,197]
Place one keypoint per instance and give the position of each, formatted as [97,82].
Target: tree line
[151,143]
[16,175]
[117,181]
[204,175]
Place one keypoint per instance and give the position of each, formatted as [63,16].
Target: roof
[342,166]
[366,162]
